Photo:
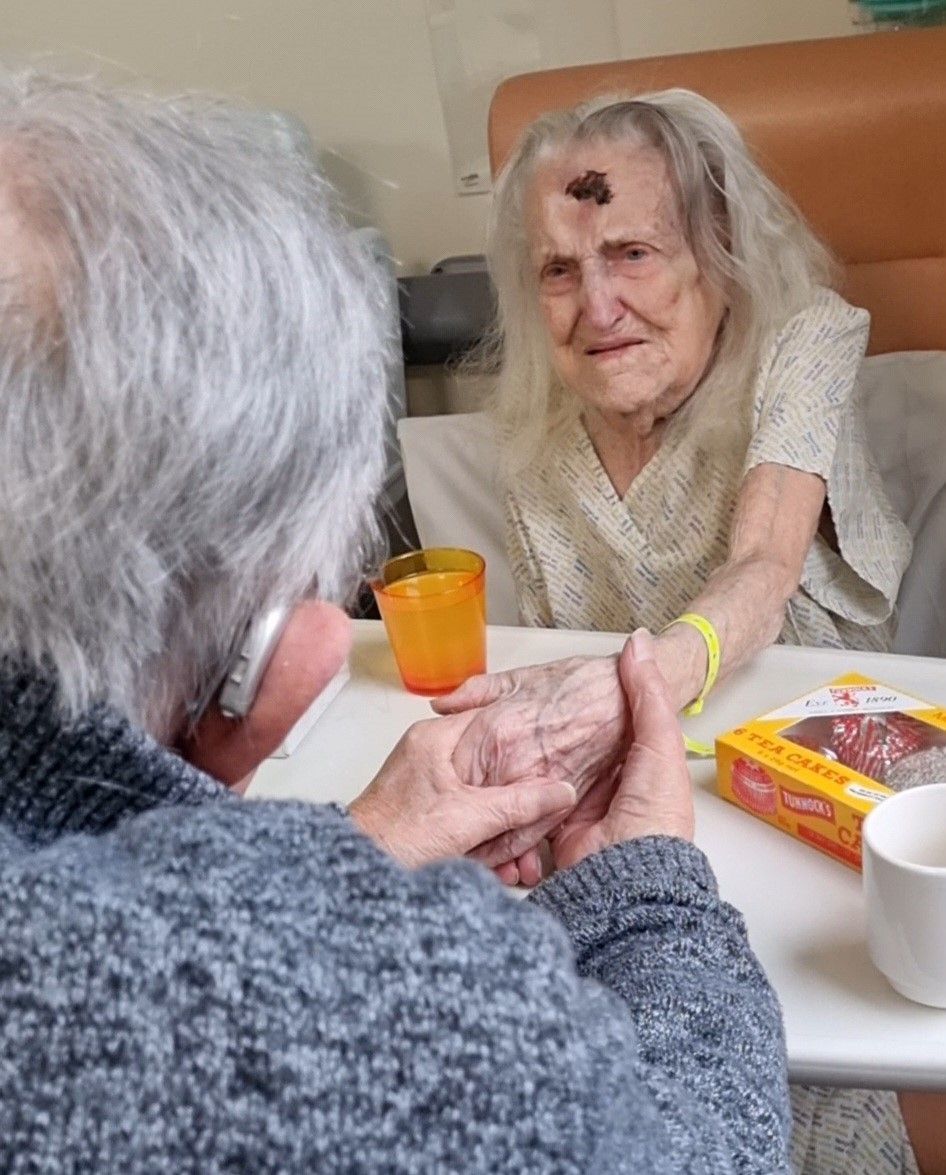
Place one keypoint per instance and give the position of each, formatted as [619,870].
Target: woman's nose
[600,304]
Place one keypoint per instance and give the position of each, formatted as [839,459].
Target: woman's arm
[568,720]
[776,518]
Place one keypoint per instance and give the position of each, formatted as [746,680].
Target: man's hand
[653,796]
[419,810]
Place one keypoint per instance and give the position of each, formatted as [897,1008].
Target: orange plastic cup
[433,604]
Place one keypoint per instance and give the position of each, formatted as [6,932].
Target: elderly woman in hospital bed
[676,390]
[681,447]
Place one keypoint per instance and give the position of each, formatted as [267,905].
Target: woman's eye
[635,253]
[555,271]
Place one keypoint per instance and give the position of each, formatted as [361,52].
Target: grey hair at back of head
[191,389]
[747,237]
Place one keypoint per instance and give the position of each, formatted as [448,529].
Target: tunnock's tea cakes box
[817,766]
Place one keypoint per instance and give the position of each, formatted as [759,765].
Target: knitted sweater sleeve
[255,986]
[645,919]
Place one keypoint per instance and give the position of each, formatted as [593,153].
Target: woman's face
[631,321]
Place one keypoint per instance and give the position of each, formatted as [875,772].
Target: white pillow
[450,465]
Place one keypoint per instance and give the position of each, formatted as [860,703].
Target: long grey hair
[191,366]
[748,240]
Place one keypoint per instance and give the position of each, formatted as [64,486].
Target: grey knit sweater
[193,983]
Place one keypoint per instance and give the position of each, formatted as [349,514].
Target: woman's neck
[624,444]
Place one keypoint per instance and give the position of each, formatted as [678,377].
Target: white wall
[360,75]
[651,27]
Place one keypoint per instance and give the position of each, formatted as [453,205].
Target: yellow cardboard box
[793,767]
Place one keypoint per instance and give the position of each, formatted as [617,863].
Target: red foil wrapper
[872,743]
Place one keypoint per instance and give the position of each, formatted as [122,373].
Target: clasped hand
[419,809]
[545,752]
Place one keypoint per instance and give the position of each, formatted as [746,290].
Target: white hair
[749,241]
[191,371]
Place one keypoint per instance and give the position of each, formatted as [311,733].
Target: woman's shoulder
[812,363]
[827,337]
[826,316]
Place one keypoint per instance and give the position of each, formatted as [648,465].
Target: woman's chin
[619,402]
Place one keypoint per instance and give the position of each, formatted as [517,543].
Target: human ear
[311,650]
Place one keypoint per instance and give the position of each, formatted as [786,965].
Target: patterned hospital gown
[582,557]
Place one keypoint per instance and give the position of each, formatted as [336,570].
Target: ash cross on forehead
[593,185]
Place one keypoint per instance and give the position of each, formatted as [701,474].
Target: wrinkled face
[631,321]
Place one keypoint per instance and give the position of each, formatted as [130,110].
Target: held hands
[566,721]
[650,795]
[653,796]
[557,732]
[419,810]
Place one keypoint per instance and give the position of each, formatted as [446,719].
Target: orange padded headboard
[853,128]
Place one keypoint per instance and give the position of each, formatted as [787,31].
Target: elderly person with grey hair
[191,431]
[682,442]
[676,400]
[683,449]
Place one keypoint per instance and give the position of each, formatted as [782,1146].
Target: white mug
[904,850]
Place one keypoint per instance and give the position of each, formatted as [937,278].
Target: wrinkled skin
[567,721]
[419,810]
[648,794]
[631,322]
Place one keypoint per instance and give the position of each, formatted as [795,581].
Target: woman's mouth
[612,349]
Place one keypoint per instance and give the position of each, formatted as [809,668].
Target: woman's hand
[653,796]
[565,722]
[650,795]
[419,810]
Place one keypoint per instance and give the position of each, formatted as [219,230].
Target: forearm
[645,919]
[745,602]
[773,526]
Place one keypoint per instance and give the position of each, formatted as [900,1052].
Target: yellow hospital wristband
[711,640]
